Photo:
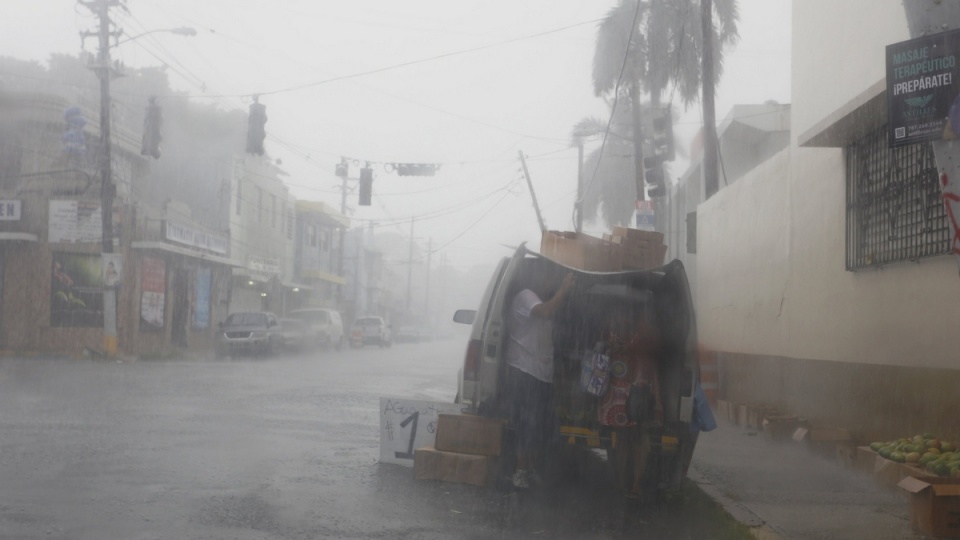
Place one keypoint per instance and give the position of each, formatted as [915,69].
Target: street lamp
[103,68]
[181,31]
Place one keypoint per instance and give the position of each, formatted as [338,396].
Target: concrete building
[317,254]
[822,274]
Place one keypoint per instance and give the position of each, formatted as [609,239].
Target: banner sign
[76,290]
[922,89]
[10,210]
[646,216]
[153,286]
[408,424]
[189,236]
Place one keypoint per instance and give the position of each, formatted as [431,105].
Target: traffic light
[366,185]
[341,170]
[653,175]
[661,133]
[417,169]
[152,122]
[256,131]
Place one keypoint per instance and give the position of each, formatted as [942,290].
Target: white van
[324,327]
[659,295]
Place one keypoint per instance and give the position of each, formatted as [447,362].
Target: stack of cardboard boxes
[466,450]
[625,249]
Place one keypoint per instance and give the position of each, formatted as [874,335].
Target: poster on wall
[201,295]
[152,293]
[76,291]
[112,266]
[923,89]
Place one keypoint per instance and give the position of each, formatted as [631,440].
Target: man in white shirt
[529,355]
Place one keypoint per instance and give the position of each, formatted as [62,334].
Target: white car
[371,331]
[324,327]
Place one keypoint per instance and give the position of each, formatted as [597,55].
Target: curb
[758,527]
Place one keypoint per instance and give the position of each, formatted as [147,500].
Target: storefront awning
[292,285]
[21,236]
[324,276]
[170,248]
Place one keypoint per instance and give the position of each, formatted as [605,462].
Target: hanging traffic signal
[661,133]
[366,186]
[654,176]
[152,122]
[341,170]
[256,128]
[416,169]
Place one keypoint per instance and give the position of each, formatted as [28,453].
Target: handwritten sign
[408,424]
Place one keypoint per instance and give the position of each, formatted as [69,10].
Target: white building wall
[771,247]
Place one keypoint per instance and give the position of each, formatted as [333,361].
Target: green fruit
[876,446]
[899,457]
[942,470]
[885,452]
[913,457]
[947,447]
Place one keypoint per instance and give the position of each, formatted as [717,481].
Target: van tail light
[471,363]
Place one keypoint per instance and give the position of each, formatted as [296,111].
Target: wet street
[278,448]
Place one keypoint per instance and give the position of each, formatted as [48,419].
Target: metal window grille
[894,208]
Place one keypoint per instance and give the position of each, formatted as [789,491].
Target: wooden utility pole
[536,207]
[104,70]
[410,267]
[710,179]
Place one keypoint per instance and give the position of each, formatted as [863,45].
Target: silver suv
[324,326]
[256,332]
[371,331]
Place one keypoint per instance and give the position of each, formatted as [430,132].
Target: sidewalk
[785,491]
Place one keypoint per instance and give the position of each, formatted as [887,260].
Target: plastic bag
[595,371]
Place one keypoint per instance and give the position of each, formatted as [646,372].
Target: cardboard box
[779,428]
[722,410]
[743,413]
[887,473]
[468,434]
[581,251]
[865,460]
[637,235]
[934,508]
[643,257]
[824,441]
[432,464]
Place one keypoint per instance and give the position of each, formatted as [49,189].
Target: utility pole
[101,8]
[410,267]
[536,207]
[426,288]
[710,180]
[343,236]
[579,203]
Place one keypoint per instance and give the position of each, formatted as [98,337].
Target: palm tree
[650,47]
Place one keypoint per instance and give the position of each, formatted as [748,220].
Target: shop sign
[923,89]
[264,265]
[182,234]
[153,286]
[646,216]
[408,424]
[9,210]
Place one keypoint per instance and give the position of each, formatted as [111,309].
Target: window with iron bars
[895,211]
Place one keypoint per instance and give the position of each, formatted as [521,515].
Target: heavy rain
[680,269]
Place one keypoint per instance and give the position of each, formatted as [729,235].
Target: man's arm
[547,309]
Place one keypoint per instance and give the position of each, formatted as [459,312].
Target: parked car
[295,334]
[659,296]
[324,326]
[371,331]
[256,332]
[407,334]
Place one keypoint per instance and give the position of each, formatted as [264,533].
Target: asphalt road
[278,448]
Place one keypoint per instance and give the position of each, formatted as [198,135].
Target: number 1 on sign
[413,435]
